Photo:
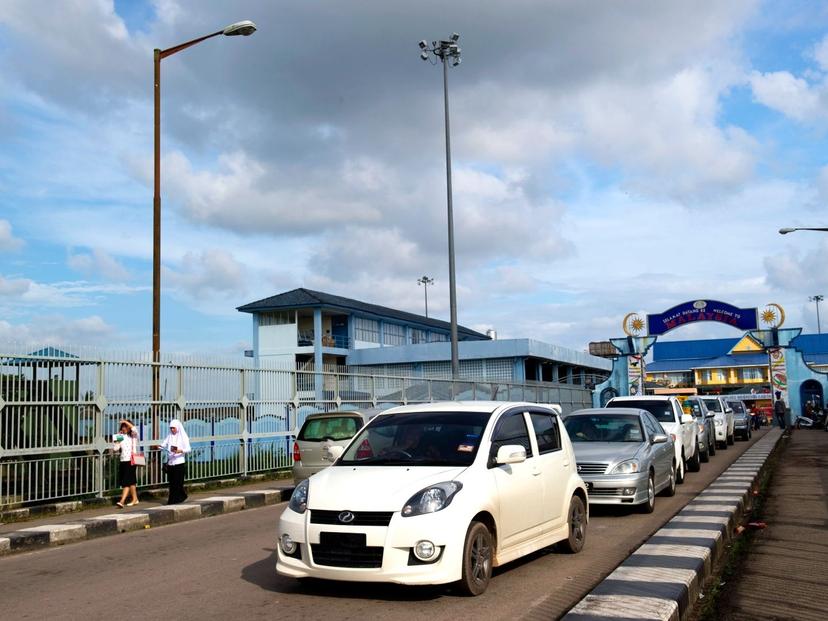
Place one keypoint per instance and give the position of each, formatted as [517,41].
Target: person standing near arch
[779,409]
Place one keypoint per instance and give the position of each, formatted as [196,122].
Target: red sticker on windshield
[465,448]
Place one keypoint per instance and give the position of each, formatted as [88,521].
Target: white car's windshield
[604,428]
[713,405]
[418,438]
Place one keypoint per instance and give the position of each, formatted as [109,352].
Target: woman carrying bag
[176,445]
[126,442]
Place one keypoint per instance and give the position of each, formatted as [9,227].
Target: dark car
[707,431]
[741,419]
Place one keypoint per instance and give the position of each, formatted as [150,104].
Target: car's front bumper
[608,489]
[721,433]
[396,540]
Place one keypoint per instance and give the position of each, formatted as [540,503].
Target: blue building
[315,330]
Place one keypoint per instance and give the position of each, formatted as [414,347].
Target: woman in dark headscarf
[176,445]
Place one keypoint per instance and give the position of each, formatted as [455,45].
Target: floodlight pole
[425,281]
[817,299]
[448,51]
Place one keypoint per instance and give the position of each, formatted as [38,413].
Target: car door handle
[536,473]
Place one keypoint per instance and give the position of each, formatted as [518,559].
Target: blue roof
[666,366]
[737,360]
[707,348]
[811,343]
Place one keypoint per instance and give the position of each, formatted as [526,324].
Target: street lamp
[787,230]
[425,281]
[448,52]
[817,299]
[243,28]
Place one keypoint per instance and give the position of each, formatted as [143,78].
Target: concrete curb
[663,577]
[39,537]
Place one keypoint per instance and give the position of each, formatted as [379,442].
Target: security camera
[457,61]
[423,44]
[455,36]
[424,55]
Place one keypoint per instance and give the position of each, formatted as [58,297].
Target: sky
[607,158]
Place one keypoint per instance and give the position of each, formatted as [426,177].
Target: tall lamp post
[243,28]
[787,230]
[817,299]
[448,52]
[425,281]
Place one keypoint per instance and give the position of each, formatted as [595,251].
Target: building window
[437,337]
[393,334]
[278,318]
[366,330]
[418,336]
[752,375]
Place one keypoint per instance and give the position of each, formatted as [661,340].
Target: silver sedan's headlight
[431,499]
[627,467]
[299,498]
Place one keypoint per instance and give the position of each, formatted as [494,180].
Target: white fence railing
[60,408]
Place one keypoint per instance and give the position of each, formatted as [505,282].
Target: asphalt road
[223,568]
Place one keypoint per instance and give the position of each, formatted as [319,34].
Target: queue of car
[445,492]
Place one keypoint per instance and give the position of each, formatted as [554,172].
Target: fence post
[243,421]
[100,440]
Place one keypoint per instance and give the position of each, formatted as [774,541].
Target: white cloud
[98,262]
[45,330]
[8,242]
[206,275]
[794,97]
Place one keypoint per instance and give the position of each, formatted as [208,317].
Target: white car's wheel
[477,559]
[577,521]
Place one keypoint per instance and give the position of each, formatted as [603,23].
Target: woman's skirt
[126,474]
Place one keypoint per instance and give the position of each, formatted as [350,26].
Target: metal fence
[60,408]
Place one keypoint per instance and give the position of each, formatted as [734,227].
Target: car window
[511,429]
[652,426]
[546,432]
[738,407]
[714,405]
[695,406]
[604,428]
[330,428]
[662,410]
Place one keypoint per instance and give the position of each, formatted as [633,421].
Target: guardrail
[59,410]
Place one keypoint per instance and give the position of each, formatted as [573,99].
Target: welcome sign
[702,310]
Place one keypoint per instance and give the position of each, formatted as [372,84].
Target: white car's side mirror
[510,454]
[333,453]
[687,418]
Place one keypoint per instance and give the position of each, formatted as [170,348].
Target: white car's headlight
[431,499]
[299,498]
[626,467]
[718,422]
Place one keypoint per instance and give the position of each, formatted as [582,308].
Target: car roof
[487,407]
[644,398]
[613,411]
[339,413]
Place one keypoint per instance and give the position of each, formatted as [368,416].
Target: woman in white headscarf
[176,445]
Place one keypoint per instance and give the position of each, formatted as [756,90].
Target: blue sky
[606,160]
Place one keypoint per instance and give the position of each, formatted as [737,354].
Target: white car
[723,420]
[680,425]
[437,493]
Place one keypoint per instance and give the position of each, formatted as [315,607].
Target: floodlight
[423,44]
[455,36]
[424,55]
[456,62]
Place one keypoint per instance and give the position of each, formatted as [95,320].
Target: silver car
[623,455]
[318,434]
[722,419]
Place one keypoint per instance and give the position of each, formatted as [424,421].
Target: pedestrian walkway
[784,574]
[150,512]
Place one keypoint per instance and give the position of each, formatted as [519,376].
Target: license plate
[342,540]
